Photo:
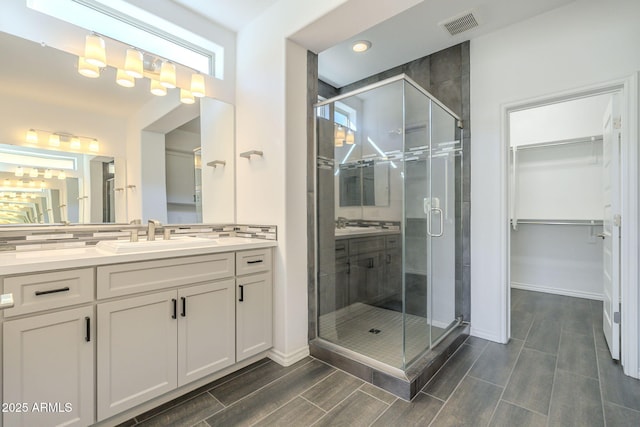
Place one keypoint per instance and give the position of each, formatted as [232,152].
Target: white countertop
[21,262]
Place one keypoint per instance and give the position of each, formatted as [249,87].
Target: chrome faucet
[151,231]
[341,222]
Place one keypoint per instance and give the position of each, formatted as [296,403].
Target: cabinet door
[366,278]
[137,351]
[342,283]
[48,359]
[206,329]
[254,315]
[393,273]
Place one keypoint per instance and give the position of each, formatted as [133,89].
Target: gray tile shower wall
[54,237]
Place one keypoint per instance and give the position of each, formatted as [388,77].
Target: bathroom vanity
[94,332]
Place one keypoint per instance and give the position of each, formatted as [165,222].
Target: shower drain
[375,331]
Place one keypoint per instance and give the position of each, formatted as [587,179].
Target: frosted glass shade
[351,137]
[87,69]
[133,63]
[124,79]
[168,75]
[186,97]
[54,140]
[34,173]
[94,51]
[94,146]
[157,89]
[32,136]
[197,85]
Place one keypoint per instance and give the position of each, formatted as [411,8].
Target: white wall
[584,43]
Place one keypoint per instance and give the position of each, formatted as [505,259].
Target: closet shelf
[593,138]
[588,222]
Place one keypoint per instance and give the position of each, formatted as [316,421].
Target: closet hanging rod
[593,138]
[588,222]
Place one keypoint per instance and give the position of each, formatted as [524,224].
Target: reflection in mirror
[40,186]
[364,183]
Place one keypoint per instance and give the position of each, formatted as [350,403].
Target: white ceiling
[407,36]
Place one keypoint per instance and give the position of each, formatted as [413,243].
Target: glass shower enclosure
[389,164]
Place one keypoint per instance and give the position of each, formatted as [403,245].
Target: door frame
[629,255]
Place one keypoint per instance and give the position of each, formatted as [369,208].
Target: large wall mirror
[132,171]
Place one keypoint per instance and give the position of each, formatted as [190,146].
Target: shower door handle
[439,211]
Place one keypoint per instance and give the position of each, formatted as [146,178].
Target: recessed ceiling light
[361,46]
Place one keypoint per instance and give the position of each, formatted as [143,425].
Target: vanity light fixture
[351,137]
[32,136]
[47,174]
[197,85]
[19,171]
[94,50]
[62,175]
[361,46]
[54,140]
[168,75]
[124,79]
[186,97]
[94,146]
[157,89]
[75,143]
[88,70]
[133,63]
[34,173]
[340,135]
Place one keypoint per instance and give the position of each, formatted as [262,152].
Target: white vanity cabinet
[151,344]
[48,359]
[254,303]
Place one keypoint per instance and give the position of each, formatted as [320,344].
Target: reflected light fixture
[197,85]
[94,146]
[43,184]
[340,136]
[75,143]
[19,171]
[48,174]
[94,50]
[34,173]
[157,89]
[124,79]
[88,70]
[7,183]
[351,137]
[186,97]
[361,46]
[62,175]
[168,75]
[32,136]
[54,140]
[133,63]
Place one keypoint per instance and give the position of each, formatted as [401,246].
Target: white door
[206,329]
[611,229]
[48,369]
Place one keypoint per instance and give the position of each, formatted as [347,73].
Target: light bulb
[94,50]
[124,79]
[157,89]
[34,173]
[94,146]
[54,140]
[62,175]
[168,75]
[88,70]
[133,63]
[19,171]
[32,136]
[48,174]
[197,85]
[186,97]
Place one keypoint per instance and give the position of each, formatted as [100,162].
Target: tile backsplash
[66,236]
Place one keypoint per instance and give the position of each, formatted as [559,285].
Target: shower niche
[388,185]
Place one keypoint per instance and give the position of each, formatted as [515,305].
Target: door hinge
[617,122]
[616,317]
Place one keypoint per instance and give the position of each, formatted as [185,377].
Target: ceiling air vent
[460,24]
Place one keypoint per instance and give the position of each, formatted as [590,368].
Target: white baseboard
[290,358]
[487,335]
[557,291]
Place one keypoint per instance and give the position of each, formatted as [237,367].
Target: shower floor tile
[377,332]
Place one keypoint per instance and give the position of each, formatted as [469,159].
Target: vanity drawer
[393,242]
[46,291]
[255,261]
[363,245]
[125,279]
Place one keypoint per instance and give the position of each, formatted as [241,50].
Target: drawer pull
[175,308]
[87,336]
[184,307]
[241,293]
[52,291]
[257,261]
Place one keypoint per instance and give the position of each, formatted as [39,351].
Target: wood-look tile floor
[555,371]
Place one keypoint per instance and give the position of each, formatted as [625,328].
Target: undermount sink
[180,242]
